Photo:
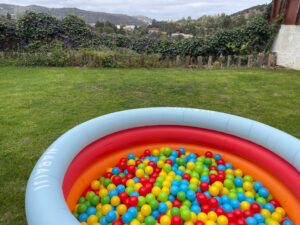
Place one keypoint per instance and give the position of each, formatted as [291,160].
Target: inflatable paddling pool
[84,153]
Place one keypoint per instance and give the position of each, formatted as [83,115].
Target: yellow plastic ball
[222,220]
[169,178]
[245,205]
[83,223]
[273,222]
[160,164]
[146,161]
[193,217]
[95,184]
[202,217]
[131,162]
[163,174]
[103,192]
[225,191]
[212,216]
[115,200]
[276,216]
[135,222]
[139,173]
[169,204]
[218,184]
[190,165]
[162,149]
[105,209]
[92,219]
[249,194]
[213,190]
[166,189]
[166,184]
[149,170]
[247,186]
[96,224]
[238,173]
[281,211]
[111,187]
[172,174]
[266,213]
[137,187]
[109,170]
[155,152]
[140,217]
[165,220]
[181,168]
[146,210]
[98,207]
[188,223]
[229,171]
[210,222]
[156,191]
[194,180]
[76,207]
[122,209]
[130,183]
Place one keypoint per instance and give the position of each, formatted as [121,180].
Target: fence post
[167,61]
[221,59]
[250,61]
[274,59]
[209,64]
[260,59]
[239,62]
[142,60]
[200,61]
[187,61]
[271,61]
[177,60]
[228,61]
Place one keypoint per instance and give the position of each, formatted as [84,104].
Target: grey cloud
[158,9]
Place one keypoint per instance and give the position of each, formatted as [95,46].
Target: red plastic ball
[86,191]
[169,161]
[204,186]
[143,180]
[186,176]
[123,196]
[231,223]
[213,168]
[178,152]
[213,202]
[157,170]
[143,191]
[154,175]
[205,208]
[230,216]
[220,211]
[152,180]
[202,198]
[159,217]
[122,165]
[147,152]
[240,221]
[108,175]
[208,154]
[138,162]
[177,203]
[117,223]
[127,203]
[129,176]
[131,169]
[220,162]
[117,180]
[213,178]
[176,220]
[149,187]
[275,203]
[152,164]
[238,213]
[198,222]
[247,213]
[255,208]
[123,179]
[133,200]
[221,177]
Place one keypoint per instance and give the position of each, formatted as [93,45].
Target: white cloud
[158,9]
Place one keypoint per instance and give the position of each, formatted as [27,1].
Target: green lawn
[37,105]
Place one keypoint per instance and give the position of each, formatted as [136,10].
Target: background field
[37,105]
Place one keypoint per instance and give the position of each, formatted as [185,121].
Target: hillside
[89,16]
[259,9]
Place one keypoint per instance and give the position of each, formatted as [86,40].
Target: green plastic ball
[181,196]
[163,196]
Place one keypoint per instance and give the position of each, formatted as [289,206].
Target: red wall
[292,8]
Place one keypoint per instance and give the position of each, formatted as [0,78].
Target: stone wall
[287,46]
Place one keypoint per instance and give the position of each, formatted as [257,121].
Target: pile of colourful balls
[175,187]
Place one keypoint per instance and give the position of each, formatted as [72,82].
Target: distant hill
[259,9]
[89,16]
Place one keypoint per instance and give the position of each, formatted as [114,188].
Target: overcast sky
[157,9]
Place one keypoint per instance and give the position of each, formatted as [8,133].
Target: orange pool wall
[282,179]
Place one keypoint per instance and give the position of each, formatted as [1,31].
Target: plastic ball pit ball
[167,166]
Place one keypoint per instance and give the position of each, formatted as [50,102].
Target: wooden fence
[156,61]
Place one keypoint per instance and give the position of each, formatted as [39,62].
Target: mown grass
[37,105]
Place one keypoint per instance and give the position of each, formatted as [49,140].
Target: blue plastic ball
[134,193]
[251,221]
[218,156]
[241,196]
[287,222]
[162,208]
[155,213]
[83,217]
[133,211]
[174,190]
[228,166]
[171,198]
[91,211]
[238,182]
[204,179]
[182,150]
[225,199]
[120,188]
[221,167]
[259,218]
[235,203]
[269,207]
[115,171]
[111,216]
[103,220]
[130,156]
[190,195]
[195,209]
[257,185]
[227,208]
[112,193]
[263,192]
[126,218]
[184,188]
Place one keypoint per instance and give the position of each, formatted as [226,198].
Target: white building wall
[287,46]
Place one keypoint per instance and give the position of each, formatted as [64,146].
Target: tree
[8,16]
